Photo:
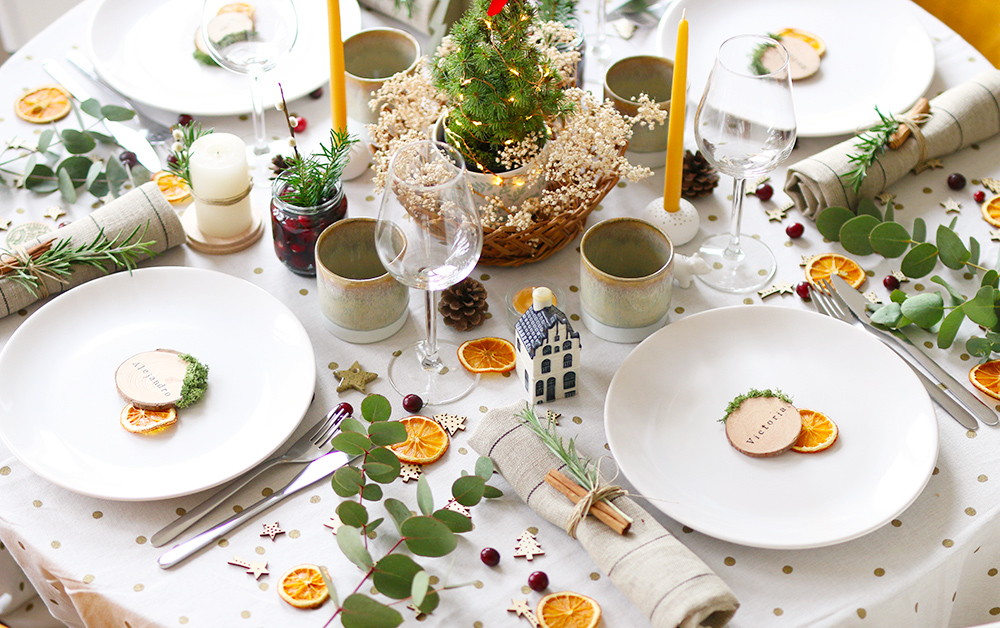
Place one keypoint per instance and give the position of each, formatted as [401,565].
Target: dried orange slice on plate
[43,104]
[818,432]
[487,355]
[238,7]
[813,40]
[986,377]
[139,421]
[426,441]
[567,609]
[991,211]
[303,587]
[821,267]
[173,187]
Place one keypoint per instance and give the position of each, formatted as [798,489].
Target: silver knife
[951,387]
[314,472]
[127,137]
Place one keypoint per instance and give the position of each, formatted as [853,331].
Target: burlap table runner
[143,206]
[961,116]
[664,579]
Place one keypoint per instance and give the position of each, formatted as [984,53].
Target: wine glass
[429,237]
[250,41]
[745,127]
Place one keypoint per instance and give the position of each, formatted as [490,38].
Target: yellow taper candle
[338,88]
[675,128]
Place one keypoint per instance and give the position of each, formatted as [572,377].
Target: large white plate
[662,419]
[878,54]
[59,406]
[143,49]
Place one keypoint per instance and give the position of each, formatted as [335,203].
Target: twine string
[24,261]
[607,491]
[224,202]
[913,122]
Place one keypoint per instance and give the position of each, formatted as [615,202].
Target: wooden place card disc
[152,380]
[803,60]
[763,426]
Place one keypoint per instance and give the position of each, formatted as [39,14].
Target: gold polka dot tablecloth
[92,564]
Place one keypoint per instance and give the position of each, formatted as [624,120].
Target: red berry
[956,181]
[300,124]
[490,557]
[795,230]
[764,191]
[184,119]
[890,282]
[803,290]
[413,403]
[316,94]
[129,159]
[345,409]
[979,196]
[172,159]
[538,581]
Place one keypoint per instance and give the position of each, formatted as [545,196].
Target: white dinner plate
[662,419]
[878,54]
[59,406]
[143,49]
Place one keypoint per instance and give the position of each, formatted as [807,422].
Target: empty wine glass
[429,237]
[745,127]
[250,39]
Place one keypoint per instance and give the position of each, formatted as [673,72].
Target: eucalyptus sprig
[179,162]
[870,146]
[122,251]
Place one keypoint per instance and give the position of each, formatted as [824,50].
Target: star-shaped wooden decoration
[873,298]
[409,471]
[898,274]
[552,417]
[333,523]
[995,235]
[776,215]
[4,224]
[885,197]
[254,569]
[272,530]
[521,609]
[354,377]
[782,287]
[929,164]
[753,185]
[454,506]
[54,212]
[951,205]
[450,422]
[993,185]
[805,260]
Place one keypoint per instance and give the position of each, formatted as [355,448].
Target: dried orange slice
[238,7]
[821,267]
[487,355]
[426,441]
[303,587]
[139,421]
[43,104]
[986,377]
[567,609]
[818,432]
[991,211]
[174,188]
[813,40]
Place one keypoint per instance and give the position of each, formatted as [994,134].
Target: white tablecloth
[936,565]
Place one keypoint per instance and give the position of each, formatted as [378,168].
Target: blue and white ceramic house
[548,350]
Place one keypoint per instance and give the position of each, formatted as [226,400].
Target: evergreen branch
[757,57]
[752,394]
[871,145]
[180,153]
[582,470]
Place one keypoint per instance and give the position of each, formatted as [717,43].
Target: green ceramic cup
[644,74]
[370,58]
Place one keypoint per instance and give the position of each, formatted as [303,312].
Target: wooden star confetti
[993,185]
[995,235]
[753,185]
[354,377]
[898,274]
[409,471]
[782,287]
[254,569]
[54,212]
[552,417]
[951,205]
[454,506]
[521,609]
[873,298]
[272,530]
[419,615]
[527,546]
[450,422]
[776,215]
[4,224]
[885,197]
[929,164]
[333,524]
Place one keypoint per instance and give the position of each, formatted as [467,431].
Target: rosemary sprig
[871,145]
[180,153]
[582,470]
[757,56]
[752,393]
[101,253]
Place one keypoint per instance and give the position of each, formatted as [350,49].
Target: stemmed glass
[745,127]
[428,236]
[251,45]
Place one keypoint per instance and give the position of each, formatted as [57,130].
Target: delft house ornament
[547,349]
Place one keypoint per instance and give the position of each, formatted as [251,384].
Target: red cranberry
[300,124]
[316,94]
[795,230]
[184,119]
[413,403]
[172,159]
[979,196]
[129,159]
[538,581]
[489,556]
[803,290]
[891,283]
[764,191]
[956,181]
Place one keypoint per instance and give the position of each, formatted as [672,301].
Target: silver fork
[832,305]
[155,132]
[309,447]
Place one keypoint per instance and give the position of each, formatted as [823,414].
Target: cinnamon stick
[7,262]
[921,107]
[603,511]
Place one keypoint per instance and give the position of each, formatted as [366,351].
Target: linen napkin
[961,116]
[143,207]
[663,578]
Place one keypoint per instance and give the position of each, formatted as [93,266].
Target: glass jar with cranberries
[295,229]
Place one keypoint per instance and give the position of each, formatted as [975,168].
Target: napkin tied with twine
[144,207]
[662,577]
[963,115]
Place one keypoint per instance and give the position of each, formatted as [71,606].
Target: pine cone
[700,178]
[464,305]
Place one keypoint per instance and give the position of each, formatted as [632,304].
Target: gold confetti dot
[862,613]
[970,511]
[687,530]
[879,572]
[260,550]
[995,610]
[183,619]
[991,572]
[599,208]
[595,576]
[484,277]
[577,420]
[968,275]
[140,540]
[747,301]
[88,578]
[463,450]
[137,588]
[574,288]
[245,614]
[778,612]
[483,409]
[267,491]
[970,434]
[786,569]
[315,499]
[574,317]
[237,509]
[918,287]
[29,606]
[964,357]
[19,210]
[223,543]
[97,514]
[433,580]
[505,374]
[4,470]
[621,184]
[303,292]
[526,590]
[263,586]
[935,471]
[896,523]
[333,366]
[56,544]
[478,584]
[730,561]
[763,273]
[258,270]
[533,530]
[929,344]
[294,534]
[712,218]
[899,207]
[37,503]
[947,542]
[789,243]
[717,265]
[679,310]
[927,190]
[477,624]
[369,198]
[180,512]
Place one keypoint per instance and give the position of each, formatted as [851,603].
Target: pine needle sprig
[871,145]
[582,470]
[180,152]
[751,394]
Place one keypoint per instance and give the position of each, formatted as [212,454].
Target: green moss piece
[195,381]
[753,392]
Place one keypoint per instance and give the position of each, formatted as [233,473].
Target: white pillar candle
[219,171]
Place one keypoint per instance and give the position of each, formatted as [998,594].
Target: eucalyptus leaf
[45,139]
[66,189]
[954,221]
[29,163]
[347,481]
[99,187]
[951,249]
[484,467]
[96,168]
[353,425]
[360,611]
[77,168]
[830,220]
[425,499]
[974,250]
[77,142]
[398,511]
[393,576]
[855,234]
[352,544]
[468,490]
[351,443]
[418,591]
[990,278]
[387,432]
[993,337]
[890,212]
[981,309]
[328,581]
[371,492]
[41,179]
[381,465]
[979,347]
[888,315]
[920,261]
[949,328]
[375,408]
[867,207]
[352,514]
[919,230]
[492,492]
[426,536]
[103,138]
[925,310]
[890,239]
[957,297]
[92,108]
[371,526]
[898,296]
[456,521]
[117,175]
[116,113]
